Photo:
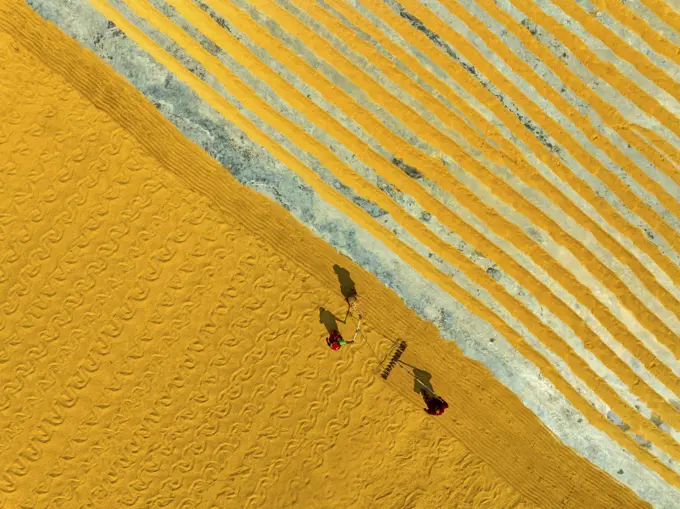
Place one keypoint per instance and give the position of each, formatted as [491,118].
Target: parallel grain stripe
[665,335]
[423,44]
[256,179]
[477,141]
[666,149]
[648,183]
[585,158]
[664,12]
[605,70]
[367,50]
[361,217]
[508,148]
[620,48]
[635,23]
[540,291]
[607,112]
[502,50]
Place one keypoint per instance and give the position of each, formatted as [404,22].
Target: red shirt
[335,337]
[437,407]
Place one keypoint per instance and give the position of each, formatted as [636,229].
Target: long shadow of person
[422,383]
[347,287]
[328,320]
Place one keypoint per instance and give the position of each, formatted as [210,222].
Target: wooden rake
[395,358]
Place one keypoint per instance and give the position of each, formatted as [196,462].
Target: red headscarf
[333,340]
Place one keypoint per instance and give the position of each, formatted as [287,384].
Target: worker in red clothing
[435,404]
[335,340]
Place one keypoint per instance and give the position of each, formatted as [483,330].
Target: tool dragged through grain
[395,358]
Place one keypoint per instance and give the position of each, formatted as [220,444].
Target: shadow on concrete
[347,286]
